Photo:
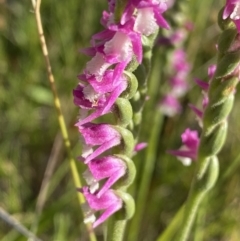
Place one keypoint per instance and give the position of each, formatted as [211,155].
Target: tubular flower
[106,86]
[109,167]
[99,96]
[102,135]
[188,151]
[109,202]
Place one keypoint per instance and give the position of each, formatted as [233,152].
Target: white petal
[89,216]
[91,181]
[235,15]
[120,45]
[86,151]
[186,161]
[94,187]
[97,66]
[90,94]
[89,219]
[145,22]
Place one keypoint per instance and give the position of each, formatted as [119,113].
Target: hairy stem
[172,228]
[221,99]
[116,230]
[200,187]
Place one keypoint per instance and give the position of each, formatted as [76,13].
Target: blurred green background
[31,146]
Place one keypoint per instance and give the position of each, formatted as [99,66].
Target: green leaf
[40,94]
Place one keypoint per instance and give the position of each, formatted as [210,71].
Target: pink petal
[105,167]
[204,85]
[190,139]
[140,146]
[98,134]
[107,199]
[161,21]
[198,112]
[112,179]
[137,45]
[183,153]
[114,95]
[107,145]
[107,213]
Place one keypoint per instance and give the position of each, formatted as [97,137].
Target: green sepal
[212,140]
[123,111]
[132,65]
[137,118]
[221,89]
[226,39]
[141,75]
[227,64]
[128,209]
[127,141]
[217,112]
[206,181]
[148,42]
[136,103]
[130,174]
[132,85]
[224,23]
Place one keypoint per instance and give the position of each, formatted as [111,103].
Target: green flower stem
[117,223]
[200,220]
[61,121]
[172,228]
[221,99]
[203,182]
[148,167]
[116,230]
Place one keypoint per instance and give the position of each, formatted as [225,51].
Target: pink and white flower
[109,167]
[188,151]
[102,135]
[109,202]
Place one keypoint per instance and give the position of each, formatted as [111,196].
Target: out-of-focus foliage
[29,131]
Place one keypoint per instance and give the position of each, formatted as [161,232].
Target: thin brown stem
[17,225]
[51,164]
[77,181]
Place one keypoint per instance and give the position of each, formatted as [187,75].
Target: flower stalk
[108,86]
[220,102]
